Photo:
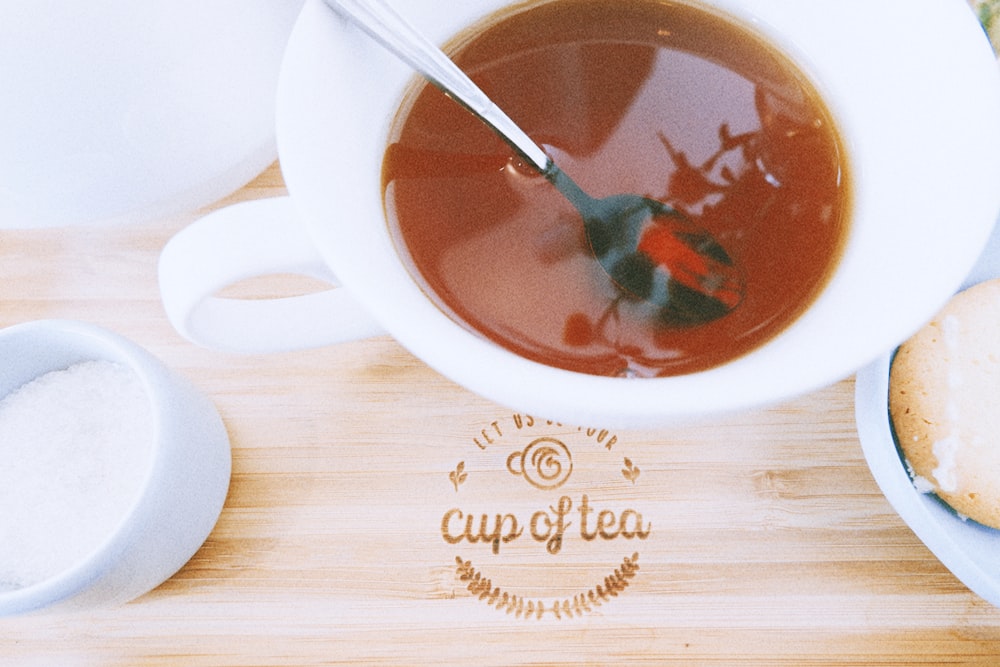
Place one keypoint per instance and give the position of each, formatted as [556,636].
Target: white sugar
[75,446]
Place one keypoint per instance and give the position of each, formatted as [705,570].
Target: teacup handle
[248,240]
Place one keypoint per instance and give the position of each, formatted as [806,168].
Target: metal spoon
[651,251]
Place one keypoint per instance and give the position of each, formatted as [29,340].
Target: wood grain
[768,541]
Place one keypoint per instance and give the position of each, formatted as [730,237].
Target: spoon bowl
[655,253]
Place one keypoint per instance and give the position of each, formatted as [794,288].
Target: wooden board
[760,538]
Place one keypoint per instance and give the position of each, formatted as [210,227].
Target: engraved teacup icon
[546,463]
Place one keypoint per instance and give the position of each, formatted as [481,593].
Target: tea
[666,100]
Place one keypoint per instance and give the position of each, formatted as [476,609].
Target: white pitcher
[122,110]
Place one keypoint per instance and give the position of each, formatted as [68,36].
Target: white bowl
[180,497]
[970,550]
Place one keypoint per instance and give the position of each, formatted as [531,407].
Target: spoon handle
[382,23]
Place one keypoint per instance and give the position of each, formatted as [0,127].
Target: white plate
[120,111]
[971,551]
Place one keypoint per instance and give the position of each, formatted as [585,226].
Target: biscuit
[988,13]
[944,400]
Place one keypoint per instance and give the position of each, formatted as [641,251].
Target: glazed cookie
[944,399]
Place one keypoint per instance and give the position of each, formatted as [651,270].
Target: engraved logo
[533,496]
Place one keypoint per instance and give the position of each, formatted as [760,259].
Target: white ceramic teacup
[914,90]
[177,498]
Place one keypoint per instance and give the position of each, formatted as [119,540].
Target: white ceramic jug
[121,110]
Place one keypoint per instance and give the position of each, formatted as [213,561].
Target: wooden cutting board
[380,514]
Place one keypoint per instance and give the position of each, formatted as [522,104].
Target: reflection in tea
[663,100]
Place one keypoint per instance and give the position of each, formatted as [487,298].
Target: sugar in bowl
[113,468]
